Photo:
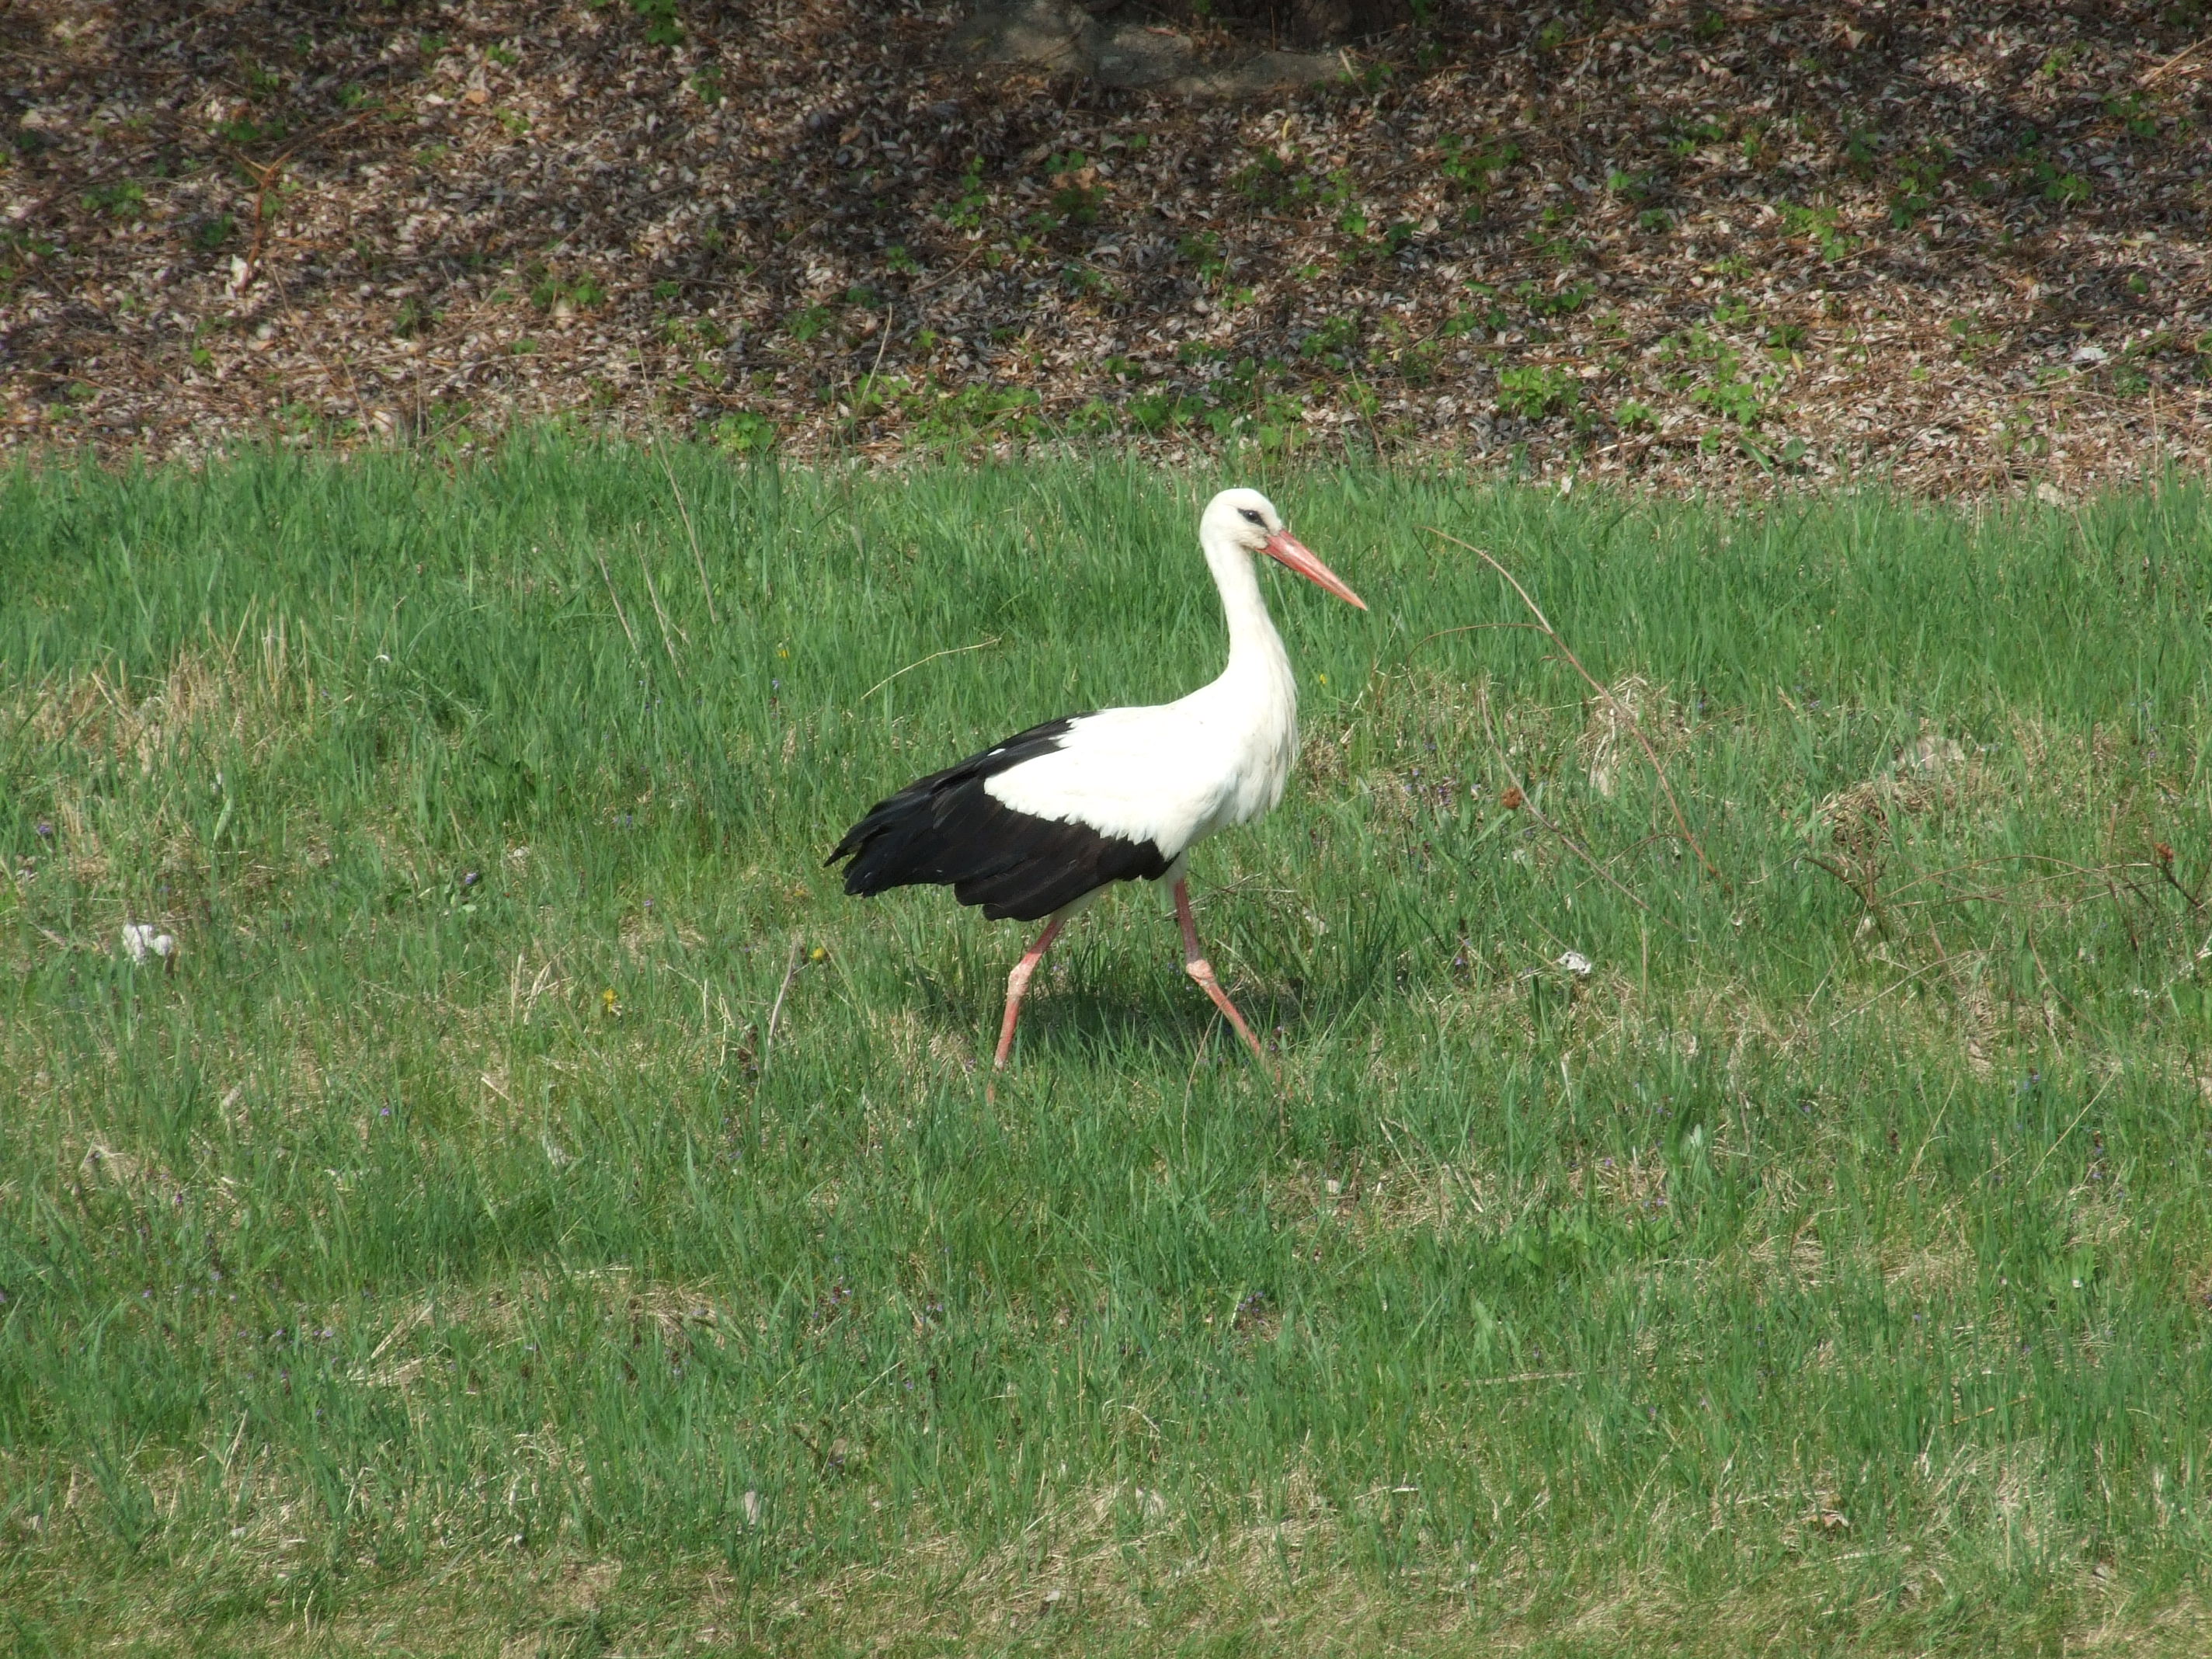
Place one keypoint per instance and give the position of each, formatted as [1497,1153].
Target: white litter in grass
[142,939]
[1577,963]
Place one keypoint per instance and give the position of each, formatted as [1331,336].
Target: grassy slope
[440,1257]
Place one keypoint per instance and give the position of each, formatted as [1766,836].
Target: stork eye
[1251,516]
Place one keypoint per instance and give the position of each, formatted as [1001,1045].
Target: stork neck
[1255,648]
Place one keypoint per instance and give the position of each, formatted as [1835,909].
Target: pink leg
[1195,964]
[1016,984]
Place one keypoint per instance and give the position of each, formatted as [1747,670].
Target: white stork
[1043,823]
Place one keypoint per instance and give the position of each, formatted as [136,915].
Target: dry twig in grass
[653,593]
[775,1013]
[628,632]
[1620,710]
[949,651]
[1527,803]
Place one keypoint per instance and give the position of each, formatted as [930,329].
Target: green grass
[438,1257]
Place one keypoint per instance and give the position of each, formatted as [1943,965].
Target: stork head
[1247,519]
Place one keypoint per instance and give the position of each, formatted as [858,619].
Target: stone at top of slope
[1062,38]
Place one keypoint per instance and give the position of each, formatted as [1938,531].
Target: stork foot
[1202,970]
[1195,964]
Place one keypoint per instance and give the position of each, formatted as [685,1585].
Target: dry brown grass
[1607,743]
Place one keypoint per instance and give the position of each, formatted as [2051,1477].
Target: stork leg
[1195,964]
[1018,982]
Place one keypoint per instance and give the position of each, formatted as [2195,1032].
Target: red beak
[1287,550]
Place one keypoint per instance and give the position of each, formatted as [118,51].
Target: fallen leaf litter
[1959,250]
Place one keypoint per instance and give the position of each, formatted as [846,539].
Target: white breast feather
[1172,774]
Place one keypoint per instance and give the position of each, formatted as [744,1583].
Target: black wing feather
[946,829]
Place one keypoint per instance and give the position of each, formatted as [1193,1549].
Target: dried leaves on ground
[1961,247]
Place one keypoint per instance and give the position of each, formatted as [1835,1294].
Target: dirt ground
[1960,247]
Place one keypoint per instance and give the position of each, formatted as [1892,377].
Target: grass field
[434,1253]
